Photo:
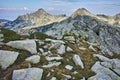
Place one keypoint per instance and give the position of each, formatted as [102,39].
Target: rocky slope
[117,19]
[41,18]
[87,49]
[3,21]
[36,19]
[113,20]
[81,47]
[93,29]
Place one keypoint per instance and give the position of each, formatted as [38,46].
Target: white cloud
[14,9]
[51,9]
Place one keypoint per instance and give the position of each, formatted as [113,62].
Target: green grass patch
[40,35]
[9,35]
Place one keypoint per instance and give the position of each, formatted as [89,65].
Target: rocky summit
[36,19]
[83,46]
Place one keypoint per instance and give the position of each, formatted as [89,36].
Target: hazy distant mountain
[3,21]
[113,20]
[40,18]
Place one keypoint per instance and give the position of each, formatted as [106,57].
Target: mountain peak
[41,11]
[81,11]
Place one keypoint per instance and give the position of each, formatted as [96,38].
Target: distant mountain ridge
[113,20]
[3,21]
[42,18]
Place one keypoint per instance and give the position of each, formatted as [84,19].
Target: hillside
[81,47]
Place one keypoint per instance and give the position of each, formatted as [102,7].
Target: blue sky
[11,9]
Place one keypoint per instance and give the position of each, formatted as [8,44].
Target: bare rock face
[111,36]
[80,12]
[108,19]
[95,30]
[7,58]
[27,74]
[100,76]
[117,19]
[108,70]
[113,20]
[41,18]
[28,45]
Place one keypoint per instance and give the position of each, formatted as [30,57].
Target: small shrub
[9,35]
[40,35]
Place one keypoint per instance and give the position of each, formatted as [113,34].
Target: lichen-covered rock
[106,70]
[51,64]
[7,58]
[67,76]
[53,78]
[28,45]
[100,76]
[101,57]
[69,67]
[53,58]
[78,61]
[69,49]
[61,49]
[55,41]
[27,74]
[69,38]
[33,59]
[110,35]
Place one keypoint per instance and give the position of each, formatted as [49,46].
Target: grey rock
[69,67]
[61,49]
[101,68]
[112,63]
[101,57]
[83,78]
[27,74]
[33,59]
[78,61]
[7,58]
[51,64]
[110,35]
[28,45]
[53,78]
[100,76]
[53,58]
[55,41]
[69,49]
[91,47]
[67,76]
[69,38]
[41,50]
